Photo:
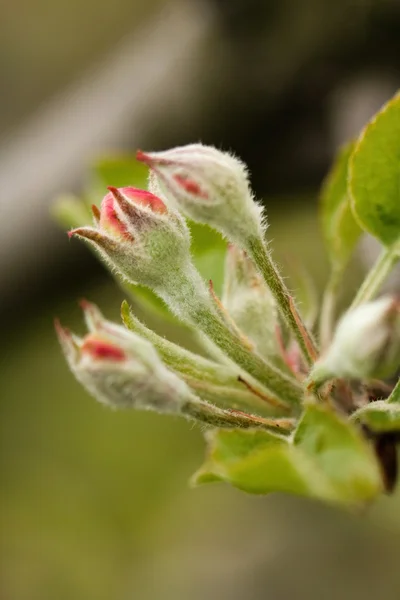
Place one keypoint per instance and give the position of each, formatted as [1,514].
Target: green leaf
[326,459]
[340,229]
[257,462]
[340,451]
[375,175]
[380,416]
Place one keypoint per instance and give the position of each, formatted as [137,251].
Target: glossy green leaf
[340,229]
[375,175]
[326,459]
[380,416]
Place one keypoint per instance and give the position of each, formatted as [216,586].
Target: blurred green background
[94,504]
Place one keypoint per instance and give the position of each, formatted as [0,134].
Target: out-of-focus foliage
[374,175]
[339,227]
[380,416]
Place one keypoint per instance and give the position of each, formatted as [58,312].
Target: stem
[190,299]
[395,395]
[212,381]
[180,359]
[377,275]
[258,252]
[328,308]
[217,417]
[233,346]
[232,397]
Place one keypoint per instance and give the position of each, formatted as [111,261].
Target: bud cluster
[271,366]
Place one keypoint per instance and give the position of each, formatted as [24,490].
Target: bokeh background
[94,504]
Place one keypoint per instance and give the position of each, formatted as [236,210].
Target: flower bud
[208,186]
[366,343]
[138,235]
[249,301]
[121,369]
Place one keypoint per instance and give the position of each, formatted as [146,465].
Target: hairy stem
[232,397]
[217,417]
[377,275]
[328,307]
[259,253]
[213,381]
[191,301]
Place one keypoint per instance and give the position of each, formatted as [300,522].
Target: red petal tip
[70,233]
[85,304]
[62,332]
[95,212]
[118,194]
[143,157]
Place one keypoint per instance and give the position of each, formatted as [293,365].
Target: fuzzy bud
[208,186]
[249,301]
[123,370]
[366,343]
[138,235]
[119,368]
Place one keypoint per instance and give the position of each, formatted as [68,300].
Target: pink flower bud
[123,204]
[119,368]
[109,220]
[207,185]
[138,235]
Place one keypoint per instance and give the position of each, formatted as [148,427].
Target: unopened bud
[249,301]
[138,236]
[121,369]
[366,343]
[208,186]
